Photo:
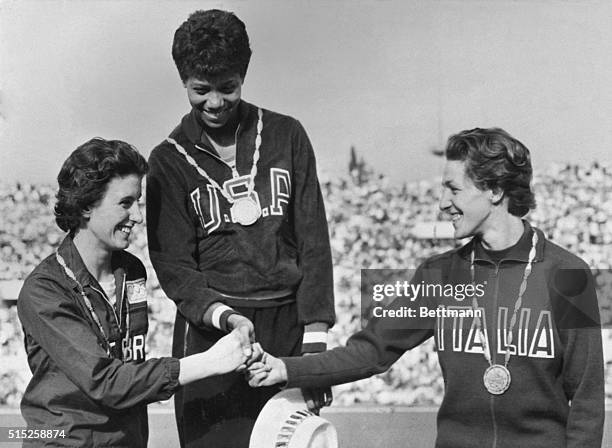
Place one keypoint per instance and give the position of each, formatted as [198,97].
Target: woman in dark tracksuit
[237,230]
[84,314]
[526,372]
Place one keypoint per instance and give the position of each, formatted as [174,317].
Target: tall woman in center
[237,230]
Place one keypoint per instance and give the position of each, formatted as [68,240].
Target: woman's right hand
[229,353]
[267,372]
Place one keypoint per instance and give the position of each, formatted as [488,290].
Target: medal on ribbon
[244,210]
[497,377]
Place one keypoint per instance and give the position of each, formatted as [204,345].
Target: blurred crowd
[371,225]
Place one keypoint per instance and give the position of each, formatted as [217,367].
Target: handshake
[238,351]
[259,367]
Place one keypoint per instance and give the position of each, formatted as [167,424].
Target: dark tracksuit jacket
[277,271]
[199,254]
[556,350]
[98,400]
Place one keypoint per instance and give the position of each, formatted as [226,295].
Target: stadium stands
[372,225]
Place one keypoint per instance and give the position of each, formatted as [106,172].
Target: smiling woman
[216,100]
[84,313]
[111,220]
[236,227]
[524,353]
[99,189]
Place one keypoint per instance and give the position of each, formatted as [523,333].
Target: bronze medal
[497,379]
[245,211]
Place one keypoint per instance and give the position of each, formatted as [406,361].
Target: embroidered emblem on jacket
[136,291]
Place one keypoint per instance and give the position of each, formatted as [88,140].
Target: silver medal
[497,379]
[245,211]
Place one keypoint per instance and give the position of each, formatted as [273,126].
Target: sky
[392,78]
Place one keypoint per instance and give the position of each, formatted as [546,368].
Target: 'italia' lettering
[543,343]
[537,343]
[474,342]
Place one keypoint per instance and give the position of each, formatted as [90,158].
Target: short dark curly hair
[210,44]
[496,160]
[86,173]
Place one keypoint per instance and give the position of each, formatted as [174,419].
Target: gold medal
[497,379]
[245,211]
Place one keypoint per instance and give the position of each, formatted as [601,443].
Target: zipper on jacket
[110,305]
[494,445]
[234,169]
[185,338]
[494,352]
[493,348]
[121,301]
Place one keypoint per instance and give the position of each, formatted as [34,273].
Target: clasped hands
[261,368]
[248,355]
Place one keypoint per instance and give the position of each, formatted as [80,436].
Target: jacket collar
[194,130]
[73,259]
[519,252]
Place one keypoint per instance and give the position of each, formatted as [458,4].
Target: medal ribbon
[517,304]
[88,304]
[204,174]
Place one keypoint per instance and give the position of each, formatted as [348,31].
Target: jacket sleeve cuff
[292,373]
[315,338]
[173,368]
[216,316]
